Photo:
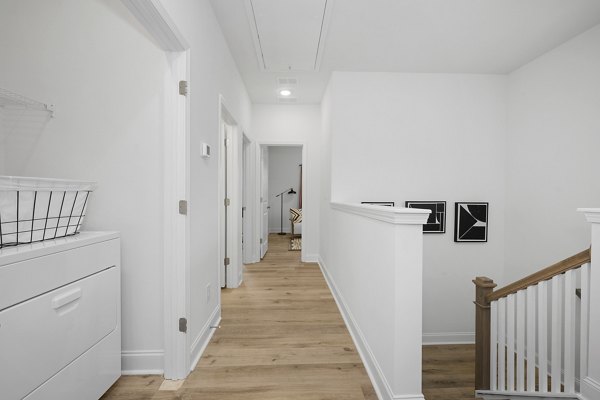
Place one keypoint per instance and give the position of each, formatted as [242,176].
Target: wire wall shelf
[13,101]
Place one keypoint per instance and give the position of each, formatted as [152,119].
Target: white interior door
[264,200]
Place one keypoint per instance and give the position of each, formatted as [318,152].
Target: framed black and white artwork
[379,203]
[436,223]
[471,222]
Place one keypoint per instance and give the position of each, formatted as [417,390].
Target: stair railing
[532,336]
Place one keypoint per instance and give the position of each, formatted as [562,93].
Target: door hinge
[227,202]
[183,88]
[183,206]
[261,241]
[183,325]
[226,261]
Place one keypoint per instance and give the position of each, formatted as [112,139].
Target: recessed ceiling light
[285,92]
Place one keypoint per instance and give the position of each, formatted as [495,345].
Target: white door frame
[176,258]
[249,173]
[176,183]
[305,167]
[234,189]
[259,228]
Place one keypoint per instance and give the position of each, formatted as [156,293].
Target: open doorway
[281,186]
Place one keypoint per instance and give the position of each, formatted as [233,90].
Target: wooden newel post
[483,287]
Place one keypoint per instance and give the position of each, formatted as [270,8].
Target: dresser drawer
[44,334]
[23,280]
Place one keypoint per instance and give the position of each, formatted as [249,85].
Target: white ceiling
[454,36]
[288,33]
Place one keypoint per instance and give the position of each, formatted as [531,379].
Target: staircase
[532,336]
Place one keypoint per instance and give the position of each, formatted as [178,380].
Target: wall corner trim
[391,215]
[153,16]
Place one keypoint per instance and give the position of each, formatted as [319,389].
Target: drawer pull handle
[66,298]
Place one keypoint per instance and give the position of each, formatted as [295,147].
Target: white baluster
[531,318]
[502,344]
[520,340]
[510,342]
[569,375]
[585,319]
[557,323]
[543,335]
[494,346]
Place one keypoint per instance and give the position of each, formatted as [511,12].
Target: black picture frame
[471,221]
[379,203]
[436,223]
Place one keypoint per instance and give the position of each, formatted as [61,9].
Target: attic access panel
[288,34]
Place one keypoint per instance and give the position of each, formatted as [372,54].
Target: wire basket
[37,209]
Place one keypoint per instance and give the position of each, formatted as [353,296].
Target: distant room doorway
[285,193]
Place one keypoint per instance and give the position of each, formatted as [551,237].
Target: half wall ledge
[392,215]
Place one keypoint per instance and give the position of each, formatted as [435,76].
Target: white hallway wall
[325,184]
[213,73]
[398,137]
[285,124]
[2,143]
[552,159]
[533,135]
[363,260]
[284,173]
[105,75]
[93,61]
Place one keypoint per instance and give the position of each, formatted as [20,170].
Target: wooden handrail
[485,294]
[547,273]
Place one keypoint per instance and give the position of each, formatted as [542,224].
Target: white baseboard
[590,389]
[311,258]
[277,230]
[151,362]
[143,362]
[204,337]
[449,338]
[380,384]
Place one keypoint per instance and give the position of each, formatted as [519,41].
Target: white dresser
[60,318]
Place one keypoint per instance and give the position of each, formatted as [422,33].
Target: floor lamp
[288,191]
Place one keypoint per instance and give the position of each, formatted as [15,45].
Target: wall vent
[287,82]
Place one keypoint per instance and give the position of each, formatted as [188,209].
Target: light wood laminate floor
[449,372]
[281,337]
